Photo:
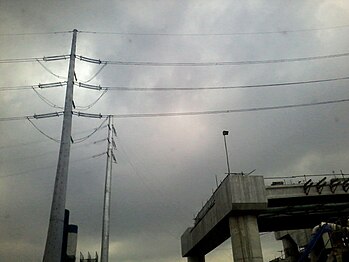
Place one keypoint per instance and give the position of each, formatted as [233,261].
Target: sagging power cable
[34,59]
[215,34]
[214,112]
[219,63]
[82,139]
[46,100]
[27,87]
[124,88]
[93,103]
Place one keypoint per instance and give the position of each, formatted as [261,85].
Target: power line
[22,144]
[29,87]
[46,100]
[20,60]
[50,71]
[43,168]
[16,88]
[36,33]
[93,103]
[31,156]
[34,59]
[214,112]
[44,141]
[192,113]
[215,34]
[35,116]
[96,74]
[14,118]
[42,132]
[82,139]
[224,63]
[124,88]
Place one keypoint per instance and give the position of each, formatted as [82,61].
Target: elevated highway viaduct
[242,207]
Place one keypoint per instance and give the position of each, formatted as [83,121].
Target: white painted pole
[53,248]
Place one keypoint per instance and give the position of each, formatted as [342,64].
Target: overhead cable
[31,156]
[21,144]
[14,118]
[223,63]
[96,74]
[36,33]
[215,34]
[34,59]
[42,168]
[82,139]
[25,87]
[214,112]
[192,113]
[20,60]
[46,100]
[93,103]
[48,70]
[42,132]
[35,116]
[16,88]
[124,88]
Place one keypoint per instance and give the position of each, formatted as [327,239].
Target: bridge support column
[245,239]
[196,259]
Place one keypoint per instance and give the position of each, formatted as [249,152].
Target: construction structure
[242,207]
[89,258]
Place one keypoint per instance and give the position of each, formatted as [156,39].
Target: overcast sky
[166,165]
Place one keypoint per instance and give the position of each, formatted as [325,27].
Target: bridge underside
[241,203]
[276,219]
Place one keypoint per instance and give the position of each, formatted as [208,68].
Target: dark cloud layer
[166,166]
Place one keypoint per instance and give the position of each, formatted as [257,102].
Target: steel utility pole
[53,248]
[107,191]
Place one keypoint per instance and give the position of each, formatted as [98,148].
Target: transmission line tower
[107,190]
[53,247]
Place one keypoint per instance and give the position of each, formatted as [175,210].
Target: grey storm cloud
[166,165]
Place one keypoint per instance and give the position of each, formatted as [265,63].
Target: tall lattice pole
[107,191]
[53,248]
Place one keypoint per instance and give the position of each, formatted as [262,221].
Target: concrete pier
[196,259]
[245,239]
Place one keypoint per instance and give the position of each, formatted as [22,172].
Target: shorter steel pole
[225,133]
[107,194]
